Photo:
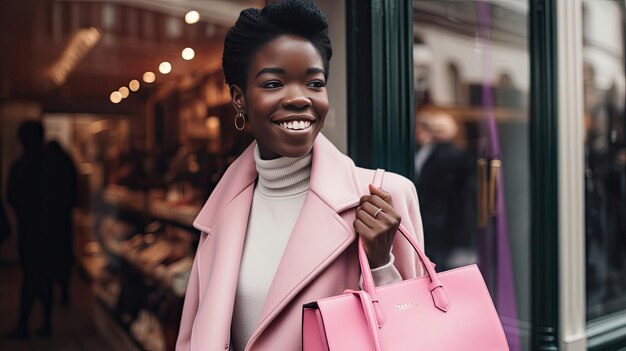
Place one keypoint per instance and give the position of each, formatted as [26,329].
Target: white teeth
[295,125]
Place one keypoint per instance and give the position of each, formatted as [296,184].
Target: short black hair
[255,28]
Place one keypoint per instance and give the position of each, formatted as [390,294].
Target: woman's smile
[296,125]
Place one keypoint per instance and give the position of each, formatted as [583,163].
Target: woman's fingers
[365,216]
[385,196]
[377,233]
[366,213]
[363,229]
[376,201]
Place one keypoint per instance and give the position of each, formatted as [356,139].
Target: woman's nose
[296,100]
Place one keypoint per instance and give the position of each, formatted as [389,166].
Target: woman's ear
[238,99]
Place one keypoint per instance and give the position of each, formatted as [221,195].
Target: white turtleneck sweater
[282,186]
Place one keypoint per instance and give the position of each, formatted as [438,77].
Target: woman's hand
[377,233]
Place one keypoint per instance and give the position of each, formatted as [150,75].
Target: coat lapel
[218,270]
[225,219]
[320,234]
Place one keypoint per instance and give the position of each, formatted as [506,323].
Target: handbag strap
[378,178]
[440,299]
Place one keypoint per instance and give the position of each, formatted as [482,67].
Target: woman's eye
[317,84]
[272,84]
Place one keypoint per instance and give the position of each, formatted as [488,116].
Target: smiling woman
[279,229]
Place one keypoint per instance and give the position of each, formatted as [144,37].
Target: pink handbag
[451,310]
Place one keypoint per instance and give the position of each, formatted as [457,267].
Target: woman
[280,228]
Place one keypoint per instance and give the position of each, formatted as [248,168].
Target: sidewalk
[81,326]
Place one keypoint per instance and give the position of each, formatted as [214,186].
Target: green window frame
[380,84]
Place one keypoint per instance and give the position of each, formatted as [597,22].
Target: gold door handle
[493,186]
[487,190]
[483,215]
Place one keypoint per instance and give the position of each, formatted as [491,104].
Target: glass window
[471,65]
[605,157]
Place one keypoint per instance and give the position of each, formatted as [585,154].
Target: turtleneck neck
[283,176]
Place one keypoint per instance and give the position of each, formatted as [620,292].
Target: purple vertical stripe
[506,302]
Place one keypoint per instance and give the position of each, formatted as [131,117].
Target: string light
[149,77]
[165,67]
[116,97]
[134,85]
[192,17]
[188,54]
[124,91]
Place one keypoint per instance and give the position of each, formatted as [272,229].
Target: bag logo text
[405,306]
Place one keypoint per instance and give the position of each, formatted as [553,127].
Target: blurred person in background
[61,197]
[605,191]
[443,178]
[5,230]
[26,195]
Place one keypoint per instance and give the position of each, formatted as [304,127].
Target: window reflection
[471,68]
[605,157]
[444,175]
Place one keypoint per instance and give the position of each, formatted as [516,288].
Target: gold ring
[377,212]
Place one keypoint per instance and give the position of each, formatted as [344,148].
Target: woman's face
[286,100]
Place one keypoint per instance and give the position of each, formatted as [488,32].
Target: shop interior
[134,94]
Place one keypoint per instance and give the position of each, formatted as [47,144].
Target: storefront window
[471,66]
[137,131]
[605,157]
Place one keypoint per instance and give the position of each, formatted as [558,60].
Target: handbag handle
[437,292]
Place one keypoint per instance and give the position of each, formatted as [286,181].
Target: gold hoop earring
[240,115]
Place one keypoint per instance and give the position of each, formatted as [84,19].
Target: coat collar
[338,192]
[333,176]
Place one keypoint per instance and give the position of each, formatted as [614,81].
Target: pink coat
[320,259]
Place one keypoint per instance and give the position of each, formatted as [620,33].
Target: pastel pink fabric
[446,311]
[320,260]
